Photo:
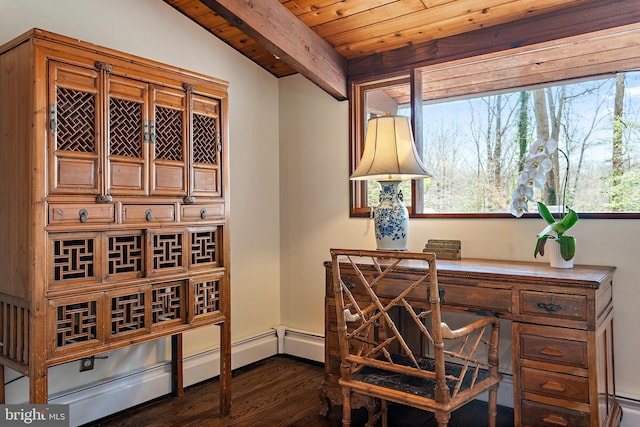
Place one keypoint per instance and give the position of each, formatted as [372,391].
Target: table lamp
[390,157]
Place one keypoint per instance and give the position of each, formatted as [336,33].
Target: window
[478,117]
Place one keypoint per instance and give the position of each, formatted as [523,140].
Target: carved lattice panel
[203,248]
[74,258]
[206,297]
[168,141]
[76,323]
[128,313]
[125,254]
[75,127]
[167,302]
[168,251]
[205,143]
[125,128]
[14,331]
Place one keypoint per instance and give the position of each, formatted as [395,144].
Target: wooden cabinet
[562,334]
[113,225]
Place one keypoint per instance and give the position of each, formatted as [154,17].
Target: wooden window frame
[414,76]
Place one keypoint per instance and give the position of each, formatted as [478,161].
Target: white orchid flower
[543,146]
[539,162]
[520,200]
[532,178]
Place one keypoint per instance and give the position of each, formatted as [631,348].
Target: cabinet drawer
[554,350]
[62,213]
[538,414]
[545,304]
[555,384]
[148,213]
[200,213]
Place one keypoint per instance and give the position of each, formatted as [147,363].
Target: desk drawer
[573,307]
[471,297]
[554,350]
[555,384]
[538,414]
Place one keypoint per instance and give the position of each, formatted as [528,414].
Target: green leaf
[548,229]
[567,247]
[540,245]
[545,214]
[569,219]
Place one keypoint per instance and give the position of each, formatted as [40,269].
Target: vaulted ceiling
[333,41]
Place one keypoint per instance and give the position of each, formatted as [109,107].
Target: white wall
[154,30]
[315,216]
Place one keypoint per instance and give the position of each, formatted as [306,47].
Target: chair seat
[411,384]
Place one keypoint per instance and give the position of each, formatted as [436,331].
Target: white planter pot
[555,258]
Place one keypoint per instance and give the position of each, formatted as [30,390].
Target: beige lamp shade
[389,152]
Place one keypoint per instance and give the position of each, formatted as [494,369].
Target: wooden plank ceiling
[319,38]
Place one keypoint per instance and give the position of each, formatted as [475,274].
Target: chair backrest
[372,290]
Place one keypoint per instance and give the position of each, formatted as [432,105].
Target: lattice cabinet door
[205,297]
[129,133]
[75,260]
[168,304]
[168,136]
[75,114]
[75,323]
[204,248]
[124,255]
[206,147]
[167,249]
[129,312]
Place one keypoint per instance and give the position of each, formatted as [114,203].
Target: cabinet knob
[83,214]
[203,213]
[148,214]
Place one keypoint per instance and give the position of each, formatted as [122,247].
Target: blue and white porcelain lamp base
[391,219]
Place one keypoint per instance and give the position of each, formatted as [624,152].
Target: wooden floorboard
[279,391]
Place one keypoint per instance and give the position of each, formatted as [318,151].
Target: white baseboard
[125,392]
[300,344]
[630,412]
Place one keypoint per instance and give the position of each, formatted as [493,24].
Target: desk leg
[225,368]
[177,381]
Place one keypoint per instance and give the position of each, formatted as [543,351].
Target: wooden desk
[562,331]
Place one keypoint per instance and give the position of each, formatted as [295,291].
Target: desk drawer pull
[550,351]
[83,215]
[551,307]
[553,386]
[555,419]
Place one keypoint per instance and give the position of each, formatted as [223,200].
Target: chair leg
[346,406]
[384,410]
[493,405]
[443,418]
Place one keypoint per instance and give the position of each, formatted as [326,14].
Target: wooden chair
[377,360]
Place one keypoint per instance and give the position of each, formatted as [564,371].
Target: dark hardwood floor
[279,391]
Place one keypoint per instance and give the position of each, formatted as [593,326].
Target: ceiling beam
[584,18]
[277,29]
